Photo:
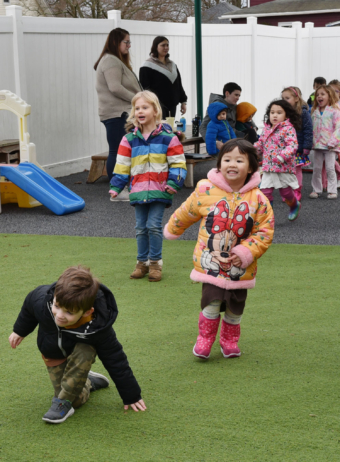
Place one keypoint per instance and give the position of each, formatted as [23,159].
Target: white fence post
[298,54]
[252,22]
[116,16]
[2,8]
[310,27]
[18,51]
[193,102]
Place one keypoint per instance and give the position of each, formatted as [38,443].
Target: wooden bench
[98,167]
[191,162]
[193,158]
[98,164]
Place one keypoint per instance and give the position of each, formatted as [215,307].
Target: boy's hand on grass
[140,405]
[235,260]
[15,340]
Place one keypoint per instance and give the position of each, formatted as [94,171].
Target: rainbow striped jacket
[147,166]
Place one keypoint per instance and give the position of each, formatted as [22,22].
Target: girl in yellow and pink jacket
[237,227]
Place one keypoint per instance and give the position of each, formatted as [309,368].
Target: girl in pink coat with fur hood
[278,145]
[237,227]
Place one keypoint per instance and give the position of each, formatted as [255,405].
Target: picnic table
[193,156]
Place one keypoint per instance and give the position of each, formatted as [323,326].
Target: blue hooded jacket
[217,129]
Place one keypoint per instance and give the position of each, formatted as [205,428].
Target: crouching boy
[75,317]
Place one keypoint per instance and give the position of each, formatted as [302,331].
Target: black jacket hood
[105,310]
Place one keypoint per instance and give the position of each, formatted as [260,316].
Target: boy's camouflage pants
[70,379]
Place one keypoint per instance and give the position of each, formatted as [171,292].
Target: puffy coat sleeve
[26,321]
[111,354]
[307,128]
[177,164]
[185,216]
[334,141]
[210,138]
[231,131]
[259,145]
[291,143]
[252,248]
[122,169]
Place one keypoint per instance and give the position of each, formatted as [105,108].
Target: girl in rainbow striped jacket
[151,162]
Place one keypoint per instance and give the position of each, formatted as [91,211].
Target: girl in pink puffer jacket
[278,145]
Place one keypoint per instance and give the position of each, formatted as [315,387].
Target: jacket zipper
[60,341]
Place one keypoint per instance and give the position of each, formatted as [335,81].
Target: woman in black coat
[160,75]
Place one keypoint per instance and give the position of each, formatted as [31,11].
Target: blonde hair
[150,98]
[332,101]
[295,91]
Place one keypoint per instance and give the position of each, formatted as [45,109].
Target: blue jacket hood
[214,109]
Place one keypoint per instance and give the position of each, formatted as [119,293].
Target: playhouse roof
[286,7]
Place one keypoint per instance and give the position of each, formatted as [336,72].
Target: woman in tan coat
[116,85]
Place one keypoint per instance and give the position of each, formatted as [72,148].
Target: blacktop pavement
[318,223]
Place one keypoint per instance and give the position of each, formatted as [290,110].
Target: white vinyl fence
[48,62]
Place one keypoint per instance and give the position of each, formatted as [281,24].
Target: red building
[284,12]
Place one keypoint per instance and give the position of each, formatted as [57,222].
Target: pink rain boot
[207,329]
[298,194]
[229,336]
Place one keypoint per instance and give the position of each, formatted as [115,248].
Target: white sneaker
[123,196]
[338,184]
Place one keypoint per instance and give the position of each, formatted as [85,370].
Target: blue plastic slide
[43,188]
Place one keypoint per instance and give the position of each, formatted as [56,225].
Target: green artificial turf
[278,402]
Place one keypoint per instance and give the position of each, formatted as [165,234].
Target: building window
[285,24]
[6,1]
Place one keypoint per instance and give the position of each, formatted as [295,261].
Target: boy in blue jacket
[218,128]
[75,317]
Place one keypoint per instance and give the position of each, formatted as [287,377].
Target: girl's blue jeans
[149,233]
[114,134]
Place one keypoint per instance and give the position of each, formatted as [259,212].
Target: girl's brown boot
[155,274]
[142,268]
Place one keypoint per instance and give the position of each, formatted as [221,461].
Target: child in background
[151,162]
[318,81]
[75,317]
[278,145]
[245,124]
[304,136]
[237,227]
[218,128]
[335,84]
[326,140]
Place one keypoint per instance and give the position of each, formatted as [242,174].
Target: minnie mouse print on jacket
[278,146]
[232,223]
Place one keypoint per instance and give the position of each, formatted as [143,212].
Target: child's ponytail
[295,91]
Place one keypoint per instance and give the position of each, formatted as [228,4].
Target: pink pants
[286,193]
[298,175]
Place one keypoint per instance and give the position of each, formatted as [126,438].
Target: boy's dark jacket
[56,342]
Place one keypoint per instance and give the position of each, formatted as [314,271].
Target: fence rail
[49,63]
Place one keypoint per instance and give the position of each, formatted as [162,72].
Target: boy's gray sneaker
[60,410]
[98,381]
